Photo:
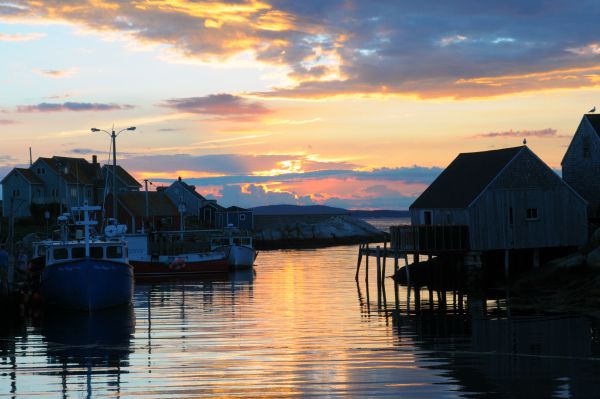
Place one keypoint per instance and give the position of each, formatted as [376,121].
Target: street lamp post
[113,137]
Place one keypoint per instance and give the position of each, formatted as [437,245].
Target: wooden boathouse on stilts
[499,202]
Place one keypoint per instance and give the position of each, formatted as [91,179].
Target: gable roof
[26,173]
[122,175]
[212,204]
[190,188]
[236,209]
[78,170]
[594,120]
[465,178]
[159,203]
[29,175]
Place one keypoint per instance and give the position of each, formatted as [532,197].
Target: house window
[54,192]
[531,214]
[16,193]
[41,171]
[89,193]
[242,217]
[73,192]
[167,221]
[586,147]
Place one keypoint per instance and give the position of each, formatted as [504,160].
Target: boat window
[96,252]
[78,252]
[41,251]
[60,253]
[114,252]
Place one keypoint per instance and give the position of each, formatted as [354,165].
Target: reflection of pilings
[378,258]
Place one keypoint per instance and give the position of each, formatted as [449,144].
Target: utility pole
[146,199]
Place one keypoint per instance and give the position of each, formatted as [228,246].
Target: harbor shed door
[427,217]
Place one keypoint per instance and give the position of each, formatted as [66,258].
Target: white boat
[237,246]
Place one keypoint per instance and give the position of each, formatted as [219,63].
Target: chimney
[94,159]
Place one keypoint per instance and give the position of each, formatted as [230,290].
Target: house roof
[78,170]
[236,209]
[465,178]
[190,188]
[29,175]
[212,204]
[123,175]
[159,203]
[594,120]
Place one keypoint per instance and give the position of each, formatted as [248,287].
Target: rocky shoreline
[299,231]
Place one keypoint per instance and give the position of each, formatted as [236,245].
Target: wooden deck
[430,239]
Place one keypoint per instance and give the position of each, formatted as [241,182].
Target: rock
[593,258]
[569,261]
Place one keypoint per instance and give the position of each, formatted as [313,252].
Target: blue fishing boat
[85,274]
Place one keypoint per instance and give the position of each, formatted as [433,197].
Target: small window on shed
[586,147]
[96,252]
[114,252]
[243,217]
[60,253]
[531,214]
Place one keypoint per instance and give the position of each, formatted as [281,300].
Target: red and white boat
[147,264]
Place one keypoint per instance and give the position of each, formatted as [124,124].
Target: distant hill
[379,213]
[284,210]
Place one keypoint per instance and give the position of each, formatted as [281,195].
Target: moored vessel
[87,274]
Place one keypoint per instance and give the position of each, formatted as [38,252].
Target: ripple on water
[299,327]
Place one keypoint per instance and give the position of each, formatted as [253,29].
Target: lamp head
[131,128]
[95,130]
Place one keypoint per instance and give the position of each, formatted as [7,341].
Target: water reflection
[301,327]
[92,345]
[486,349]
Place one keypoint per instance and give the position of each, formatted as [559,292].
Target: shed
[581,162]
[505,199]
[162,212]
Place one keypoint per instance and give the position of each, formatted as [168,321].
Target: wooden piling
[396,293]
[367,263]
[506,263]
[360,249]
[378,257]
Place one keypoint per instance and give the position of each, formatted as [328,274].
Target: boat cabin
[54,252]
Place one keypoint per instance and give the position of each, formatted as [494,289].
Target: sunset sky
[351,103]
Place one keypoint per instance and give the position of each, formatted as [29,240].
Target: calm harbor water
[299,327]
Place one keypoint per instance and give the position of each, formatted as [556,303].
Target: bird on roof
[525,141]
[592,110]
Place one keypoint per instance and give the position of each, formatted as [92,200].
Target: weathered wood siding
[440,216]
[581,168]
[527,183]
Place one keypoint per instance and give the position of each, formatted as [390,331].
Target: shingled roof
[122,175]
[191,189]
[28,175]
[159,203]
[465,178]
[78,170]
[594,120]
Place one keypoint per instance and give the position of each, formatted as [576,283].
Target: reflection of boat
[95,337]
[237,246]
[84,274]
[147,264]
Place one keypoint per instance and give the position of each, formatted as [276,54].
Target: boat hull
[241,257]
[87,284]
[182,266]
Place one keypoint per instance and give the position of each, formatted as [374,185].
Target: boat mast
[86,223]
